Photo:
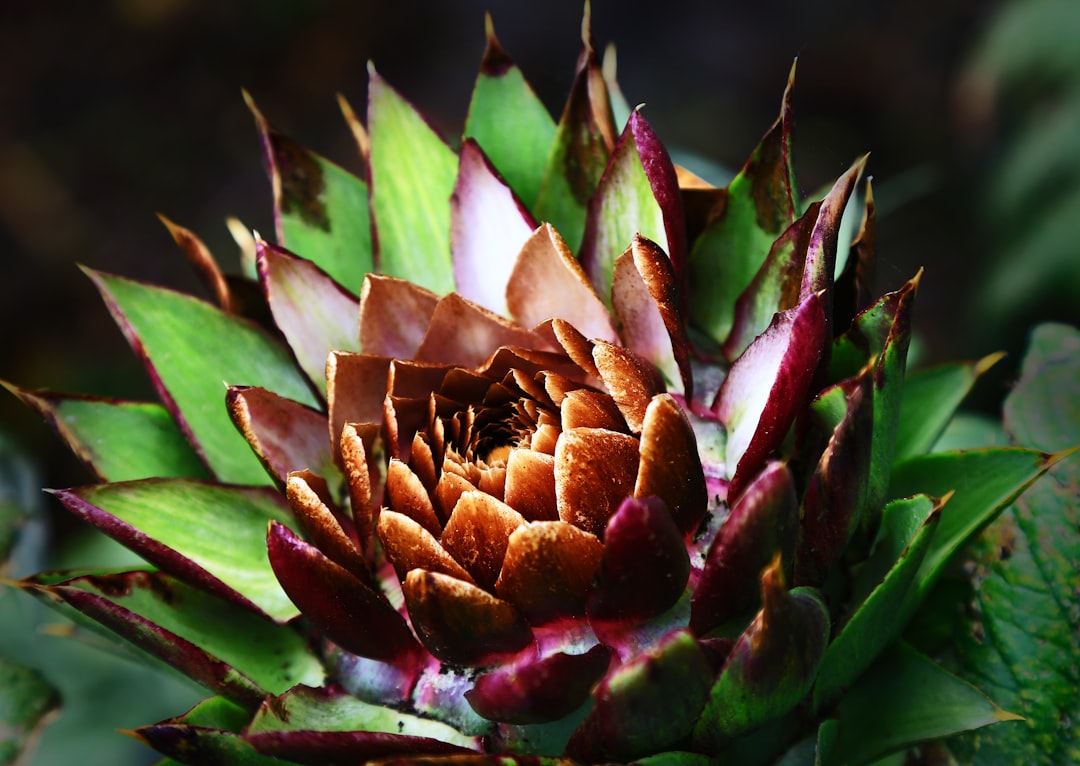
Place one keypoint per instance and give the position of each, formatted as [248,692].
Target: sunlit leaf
[192,352]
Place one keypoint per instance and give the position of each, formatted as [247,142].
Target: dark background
[115,110]
[112,111]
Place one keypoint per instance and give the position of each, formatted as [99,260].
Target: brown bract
[500,454]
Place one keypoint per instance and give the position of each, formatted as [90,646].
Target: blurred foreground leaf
[26,699]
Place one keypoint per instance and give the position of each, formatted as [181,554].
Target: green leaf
[905,698]
[26,700]
[984,482]
[628,202]
[210,729]
[197,745]
[584,140]
[731,250]
[320,209]
[971,430]
[412,177]
[648,703]
[201,635]
[192,350]
[206,534]
[117,440]
[509,122]
[772,665]
[907,527]
[1019,642]
[309,709]
[930,400]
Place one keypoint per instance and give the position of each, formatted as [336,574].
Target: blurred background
[115,110]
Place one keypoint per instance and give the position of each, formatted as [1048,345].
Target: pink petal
[314,313]
[488,226]
[541,690]
[767,386]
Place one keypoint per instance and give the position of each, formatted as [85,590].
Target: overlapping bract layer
[539,498]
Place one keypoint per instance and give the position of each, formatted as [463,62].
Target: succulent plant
[537,450]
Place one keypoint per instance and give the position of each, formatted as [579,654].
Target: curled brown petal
[355,390]
[358,479]
[461,623]
[590,409]
[594,470]
[546,260]
[670,465]
[449,489]
[406,494]
[577,346]
[631,380]
[476,535]
[530,485]
[548,570]
[320,525]
[394,316]
[466,334]
[409,546]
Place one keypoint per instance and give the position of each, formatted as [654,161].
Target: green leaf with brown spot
[1019,643]
[320,209]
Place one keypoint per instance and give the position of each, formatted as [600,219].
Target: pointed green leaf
[306,708]
[648,703]
[117,440]
[509,122]
[731,250]
[328,725]
[584,140]
[984,482]
[907,528]
[904,699]
[233,652]
[320,209]
[772,665]
[1019,641]
[930,400]
[192,350]
[208,535]
[637,195]
[888,393]
[26,700]
[412,177]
